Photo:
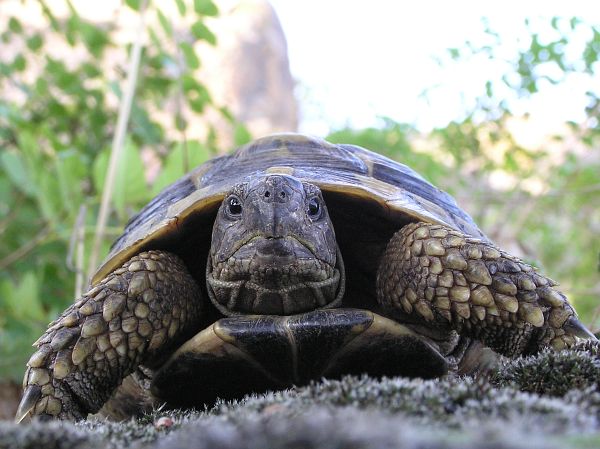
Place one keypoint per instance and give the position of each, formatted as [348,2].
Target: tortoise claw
[32,394]
[575,327]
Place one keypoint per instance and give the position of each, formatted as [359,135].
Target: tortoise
[289,260]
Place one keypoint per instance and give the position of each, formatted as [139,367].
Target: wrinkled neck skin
[273,250]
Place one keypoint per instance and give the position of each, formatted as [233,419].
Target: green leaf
[6,69]
[205,8]
[49,198]
[16,169]
[181,7]
[156,41]
[510,162]
[71,171]
[14,25]
[573,22]
[19,63]
[48,13]
[198,98]
[130,189]
[41,174]
[91,70]
[241,135]
[191,59]
[189,83]
[94,39]
[164,23]
[35,42]
[197,105]
[21,300]
[201,32]
[454,53]
[174,166]
[63,77]
[134,4]
[180,122]
[488,89]
[72,30]
[143,128]
[227,115]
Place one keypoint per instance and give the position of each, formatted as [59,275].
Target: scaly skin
[447,279]
[130,318]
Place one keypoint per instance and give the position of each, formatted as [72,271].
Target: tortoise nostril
[276,193]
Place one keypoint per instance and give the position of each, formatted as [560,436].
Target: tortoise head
[273,250]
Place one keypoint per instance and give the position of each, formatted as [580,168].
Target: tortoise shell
[368,196]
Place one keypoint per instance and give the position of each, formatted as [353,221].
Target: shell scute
[349,171]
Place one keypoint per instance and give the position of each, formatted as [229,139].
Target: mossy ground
[551,400]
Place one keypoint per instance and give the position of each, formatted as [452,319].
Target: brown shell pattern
[344,169]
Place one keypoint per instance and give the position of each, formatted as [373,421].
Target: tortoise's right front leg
[447,279]
[132,316]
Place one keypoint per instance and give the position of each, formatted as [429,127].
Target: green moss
[47,435]
[548,400]
[554,373]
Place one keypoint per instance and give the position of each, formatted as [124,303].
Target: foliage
[57,120]
[542,203]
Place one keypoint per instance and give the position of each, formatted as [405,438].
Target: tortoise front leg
[450,280]
[131,317]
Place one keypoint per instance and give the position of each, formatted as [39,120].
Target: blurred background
[496,103]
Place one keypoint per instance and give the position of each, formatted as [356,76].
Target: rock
[249,70]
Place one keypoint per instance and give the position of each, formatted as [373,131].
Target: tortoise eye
[314,208]
[234,206]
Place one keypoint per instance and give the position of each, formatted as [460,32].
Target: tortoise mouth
[278,276]
[239,355]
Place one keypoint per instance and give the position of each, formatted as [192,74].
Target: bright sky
[357,60]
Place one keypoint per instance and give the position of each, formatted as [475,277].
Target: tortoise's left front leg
[447,279]
[134,316]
